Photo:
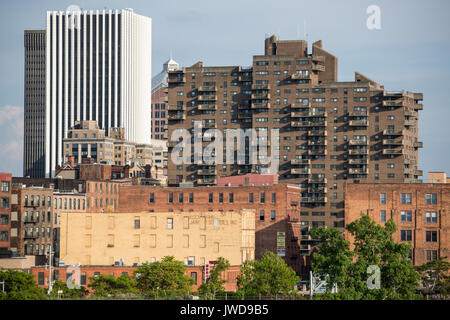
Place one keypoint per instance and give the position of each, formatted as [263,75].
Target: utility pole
[3,286]
[50,282]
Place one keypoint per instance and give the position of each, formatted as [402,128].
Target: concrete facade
[420,211]
[192,237]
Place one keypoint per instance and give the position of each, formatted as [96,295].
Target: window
[231,197]
[432,255]
[406,216]
[180,197]
[261,215]
[171,197]
[41,278]
[4,219]
[383,216]
[406,235]
[5,186]
[274,197]
[431,236]
[5,203]
[211,197]
[83,279]
[137,223]
[169,223]
[383,198]
[431,198]
[431,217]
[152,197]
[194,276]
[263,197]
[272,214]
[3,235]
[406,198]
[191,198]
[221,197]
[250,197]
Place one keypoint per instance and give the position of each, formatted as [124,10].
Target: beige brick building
[192,237]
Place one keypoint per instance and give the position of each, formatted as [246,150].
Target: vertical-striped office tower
[98,67]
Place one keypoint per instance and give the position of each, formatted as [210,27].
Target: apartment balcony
[175,79]
[206,172]
[260,87]
[256,96]
[300,161]
[298,124]
[411,162]
[322,123]
[299,106]
[418,172]
[243,106]
[315,114]
[317,133]
[358,170]
[300,171]
[209,97]
[207,107]
[358,161]
[177,116]
[418,144]
[317,180]
[318,67]
[209,125]
[317,152]
[265,105]
[207,88]
[297,114]
[245,78]
[321,142]
[174,107]
[29,236]
[357,152]
[315,199]
[410,113]
[318,58]
[393,151]
[354,142]
[410,122]
[418,106]
[393,133]
[296,76]
[244,115]
[166,99]
[393,103]
[358,123]
[206,181]
[393,142]
[317,190]
[358,113]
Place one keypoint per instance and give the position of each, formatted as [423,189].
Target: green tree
[20,286]
[167,275]
[373,245]
[269,275]
[104,285]
[435,276]
[214,284]
[66,292]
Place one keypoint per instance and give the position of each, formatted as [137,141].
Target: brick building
[277,209]
[197,273]
[420,211]
[330,132]
[249,179]
[5,214]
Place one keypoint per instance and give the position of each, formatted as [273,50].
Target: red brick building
[250,179]
[420,211]
[41,274]
[277,210]
[5,213]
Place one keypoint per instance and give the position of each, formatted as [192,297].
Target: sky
[410,51]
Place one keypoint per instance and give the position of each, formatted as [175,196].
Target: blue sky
[411,51]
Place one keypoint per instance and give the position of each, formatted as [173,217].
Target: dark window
[406,198]
[274,197]
[137,224]
[263,197]
[383,198]
[221,197]
[191,198]
[180,197]
[56,275]
[431,236]
[406,216]
[194,276]
[406,235]
[250,197]
[211,197]
[231,197]
[272,214]
[152,197]
[261,215]
[40,278]
[4,219]
[171,197]
[83,279]
[431,198]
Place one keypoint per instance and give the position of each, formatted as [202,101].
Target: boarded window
[87,240]
[136,241]
[153,241]
[152,222]
[169,241]
[203,241]
[185,241]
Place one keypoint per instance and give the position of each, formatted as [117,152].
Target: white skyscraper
[98,67]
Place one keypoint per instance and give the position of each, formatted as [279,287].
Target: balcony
[410,113]
[358,113]
[358,161]
[245,78]
[296,76]
[209,125]
[315,199]
[29,236]
[207,88]
[418,106]
[175,79]
[317,190]
[357,152]
[317,152]
[265,105]
[174,107]
[318,67]
[260,87]
[393,151]
[177,116]
[418,172]
[418,144]
[388,132]
[300,161]
[410,122]
[358,170]
[297,114]
[300,171]
[316,114]
[166,99]
[317,180]
[354,142]
[322,123]
[207,107]
[318,58]
[393,142]
[256,96]
[317,133]
[209,97]
[244,115]
[358,123]
[299,106]
[321,142]
[411,162]
[392,103]
[206,181]
[298,124]
[206,172]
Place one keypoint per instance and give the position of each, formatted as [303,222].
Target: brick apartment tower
[330,132]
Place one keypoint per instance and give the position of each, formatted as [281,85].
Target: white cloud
[11,139]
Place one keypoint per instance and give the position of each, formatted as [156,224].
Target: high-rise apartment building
[159,100]
[97,67]
[330,132]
